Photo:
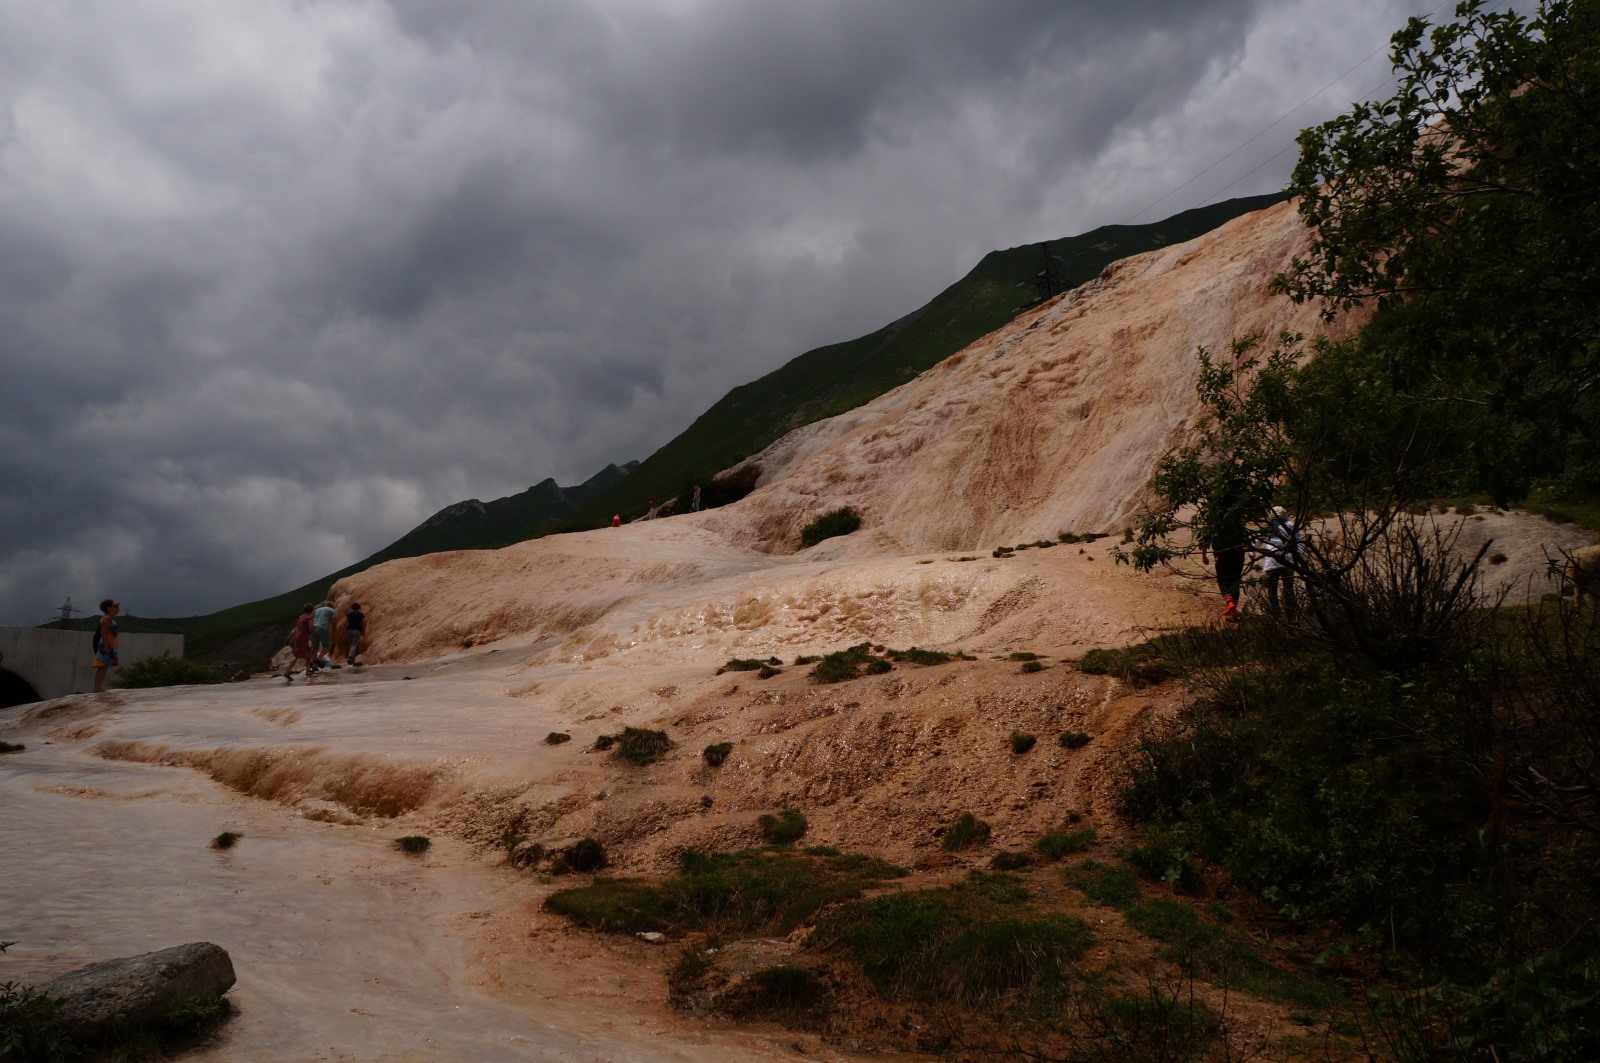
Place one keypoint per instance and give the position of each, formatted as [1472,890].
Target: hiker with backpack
[1279,547]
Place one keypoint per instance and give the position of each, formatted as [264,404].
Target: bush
[1075,739]
[1021,743]
[716,753]
[783,991]
[833,523]
[968,830]
[585,855]
[1032,666]
[636,745]
[164,671]
[555,738]
[225,840]
[784,828]
[12,747]
[1104,884]
[742,664]
[413,844]
[1010,860]
[1055,846]
[849,664]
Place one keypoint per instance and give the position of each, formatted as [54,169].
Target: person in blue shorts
[322,632]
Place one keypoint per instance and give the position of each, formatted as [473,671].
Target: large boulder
[102,998]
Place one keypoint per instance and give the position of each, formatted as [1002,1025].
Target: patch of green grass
[1138,666]
[716,753]
[807,658]
[1114,887]
[833,523]
[783,828]
[1022,742]
[225,840]
[636,745]
[750,891]
[619,906]
[1164,860]
[555,738]
[413,844]
[1022,655]
[1074,537]
[1055,846]
[969,944]
[742,664]
[926,657]
[968,830]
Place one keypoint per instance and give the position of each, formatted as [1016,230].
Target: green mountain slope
[833,379]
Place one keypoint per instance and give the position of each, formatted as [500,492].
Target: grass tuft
[716,753]
[225,840]
[413,844]
[968,830]
[834,523]
[784,828]
[1021,742]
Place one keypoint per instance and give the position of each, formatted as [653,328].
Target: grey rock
[102,998]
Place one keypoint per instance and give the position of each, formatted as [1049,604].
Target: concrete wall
[57,663]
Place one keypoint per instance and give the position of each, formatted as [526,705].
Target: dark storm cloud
[279,280]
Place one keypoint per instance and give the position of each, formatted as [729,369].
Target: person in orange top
[105,642]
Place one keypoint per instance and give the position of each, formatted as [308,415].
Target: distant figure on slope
[300,644]
[322,633]
[105,642]
[694,500]
[1279,547]
[355,625]
[616,520]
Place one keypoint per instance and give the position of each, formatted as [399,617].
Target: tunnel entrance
[15,690]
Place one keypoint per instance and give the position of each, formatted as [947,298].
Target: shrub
[848,664]
[1010,860]
[636,745]
[835,522]
[785,827]
[1021,743]
[555,738]
[413,844]
[585,855]
[782,991]
[1032,666]
[1022,655]
[225,840]
[164,671]
[807,658]
[968,830]
[767,672]
[1055,846]
[12,747]
[926,657]
[716,753]
[1164,860]
[1074,739]
[742,664]
[1136,665]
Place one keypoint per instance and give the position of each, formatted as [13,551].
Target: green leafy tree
[1466,206]
[1226,480]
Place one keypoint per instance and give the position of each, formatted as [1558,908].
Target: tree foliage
[1467,207]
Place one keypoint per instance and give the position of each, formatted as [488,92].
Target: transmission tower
[66,612]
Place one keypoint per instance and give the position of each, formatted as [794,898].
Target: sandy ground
[348,949]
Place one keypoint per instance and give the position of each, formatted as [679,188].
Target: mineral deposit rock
[102,998]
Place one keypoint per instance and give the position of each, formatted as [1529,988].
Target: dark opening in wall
[15,690]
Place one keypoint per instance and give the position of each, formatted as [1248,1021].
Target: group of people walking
[1278,545]
[311,642]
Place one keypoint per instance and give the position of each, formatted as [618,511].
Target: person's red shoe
[1230,608]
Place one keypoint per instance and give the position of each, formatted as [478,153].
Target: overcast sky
[281,278]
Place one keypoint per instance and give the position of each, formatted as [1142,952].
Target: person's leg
[1273,578]
[1290,607]
[99,675]
[1230,573]
[354,638]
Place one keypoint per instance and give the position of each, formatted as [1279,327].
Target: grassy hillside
[833,379]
